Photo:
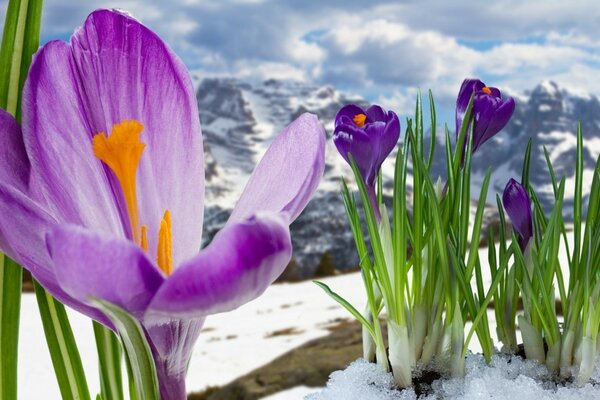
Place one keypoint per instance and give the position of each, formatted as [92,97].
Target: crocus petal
[484,108]
[25,225]
[14,164]
[240,263]
[65,175]
[130,73]
[518,207]
[468,87]
[390,136]
[500,118]
[349,139]
[376,113]
[288,174]
[112,269]
[349,111]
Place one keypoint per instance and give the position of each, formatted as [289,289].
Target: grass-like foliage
[423,276]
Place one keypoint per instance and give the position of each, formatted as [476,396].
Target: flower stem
[374,202]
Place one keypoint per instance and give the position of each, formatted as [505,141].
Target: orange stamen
[486,90]
[164,255]
[359,120]
[121,151]
[144,239]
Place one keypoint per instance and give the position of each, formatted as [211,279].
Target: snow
[505,378]
[231,344]
[544,108]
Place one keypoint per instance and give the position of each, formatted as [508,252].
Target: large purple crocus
[102,188]
[369,135]
[518,207]
[490,111]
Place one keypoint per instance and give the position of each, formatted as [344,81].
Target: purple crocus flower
[369,135]
[518,207]
[102,190]
[490,111]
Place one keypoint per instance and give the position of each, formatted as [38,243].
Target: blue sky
[383,50]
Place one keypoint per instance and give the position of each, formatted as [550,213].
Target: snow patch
[505,378]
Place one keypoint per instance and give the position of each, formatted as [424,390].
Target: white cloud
[390,46]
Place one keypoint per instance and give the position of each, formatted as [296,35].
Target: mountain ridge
[240,119]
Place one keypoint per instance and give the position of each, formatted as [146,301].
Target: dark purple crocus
[369,135]
[518,207]
[102,190]
[490,111]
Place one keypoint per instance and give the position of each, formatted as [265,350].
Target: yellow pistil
[359,120]
[486,90]
[121,151]
[164,251]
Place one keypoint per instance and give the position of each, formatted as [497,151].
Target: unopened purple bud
[518,207]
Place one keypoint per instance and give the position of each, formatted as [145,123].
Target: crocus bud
[518,207]
[490,111]
[369,135]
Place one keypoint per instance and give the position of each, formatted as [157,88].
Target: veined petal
[243,259]
[500,118]
[66,177]
[113,269]
[288,174]
[24,225]
[14,164]
[130,73]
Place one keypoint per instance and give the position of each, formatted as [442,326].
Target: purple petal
[362,145]
[484,108]
[24,225]
[518,207]
[113,269]
[348,111]
[172,344]
[130,73]
[14,164]
[288,174]
[241,262]
[495,92]
[468,87]
[376,113]
[500,118]
[390,136]
[65,176]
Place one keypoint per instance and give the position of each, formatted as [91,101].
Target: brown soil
[309,365]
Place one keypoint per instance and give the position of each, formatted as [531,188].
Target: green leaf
[109,357]
[344,303]
[10,305]
[137,349]
[20,40]
[63,349]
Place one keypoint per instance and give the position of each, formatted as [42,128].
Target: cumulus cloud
[385,49]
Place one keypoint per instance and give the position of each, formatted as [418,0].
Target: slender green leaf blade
[63,349]
[137,349]
[10,304]
[109,358]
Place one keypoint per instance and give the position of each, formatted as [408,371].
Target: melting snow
[505,378]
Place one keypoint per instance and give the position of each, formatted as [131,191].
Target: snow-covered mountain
[239,121]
